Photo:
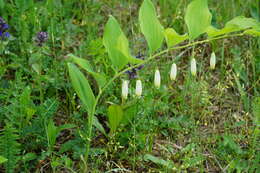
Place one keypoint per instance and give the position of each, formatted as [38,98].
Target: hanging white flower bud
[138,88]
[125,89]
[173,72]
[193,67]
[212,61]
[157,79]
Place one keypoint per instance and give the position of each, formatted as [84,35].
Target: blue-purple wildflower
[41,38]
[3,29]
[132,74]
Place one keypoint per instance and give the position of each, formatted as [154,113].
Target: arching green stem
[92,113]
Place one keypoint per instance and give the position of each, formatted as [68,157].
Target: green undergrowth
[205,124]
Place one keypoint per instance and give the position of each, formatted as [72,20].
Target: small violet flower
[41,38]
[3,29]
[132,74]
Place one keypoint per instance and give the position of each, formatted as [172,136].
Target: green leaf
[241,23]
[116,44]
[2,4]
[133,60]
[98,125]
[83,63]
[115,115]
[2,159]
[168,164]
[243,94]
[129,114]
[66,126]
[197,18]
[26,105]
[173,38]
[212,31]
[81,86]
[150,26]
[101,79]
[237,24]
[37,68]
[29,156]
[253,32]
[189,162]
[9,147]
[52,133]
[230,143]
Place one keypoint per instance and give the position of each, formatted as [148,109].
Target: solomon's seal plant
[198,20]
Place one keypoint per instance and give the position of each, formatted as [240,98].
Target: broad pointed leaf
[81,86]
[253,32]
[213,32]
[116,43]
[98,125]
[197,18]
[83,63]
[2,159]
[129,114]
[150,26]
[241,22]
[157,160]
[237,24]
[115,115]
[173,38]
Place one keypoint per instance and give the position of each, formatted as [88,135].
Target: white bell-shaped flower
[173,72]
[125,89]
[193,67]
[138,88]
[212,61]
[157,79]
